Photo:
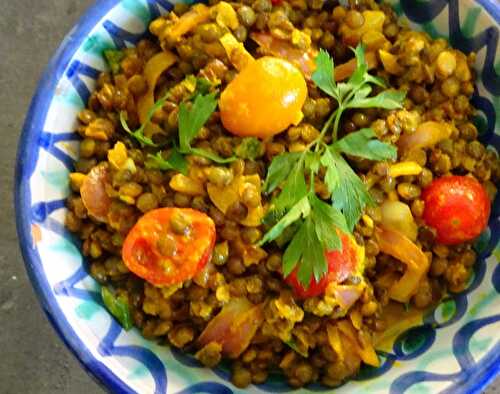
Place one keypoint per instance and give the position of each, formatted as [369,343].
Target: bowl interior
[455,348]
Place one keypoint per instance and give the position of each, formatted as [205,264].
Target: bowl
[455,349]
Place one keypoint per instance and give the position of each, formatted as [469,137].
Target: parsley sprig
[193,114]
[297,205]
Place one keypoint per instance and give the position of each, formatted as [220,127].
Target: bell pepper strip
[233,327]
[417,264]
[236,52]
[349,336]
[154,67]
[197,14]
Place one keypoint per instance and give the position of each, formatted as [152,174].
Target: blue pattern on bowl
[125,362]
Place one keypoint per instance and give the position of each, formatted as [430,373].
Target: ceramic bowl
[455,349]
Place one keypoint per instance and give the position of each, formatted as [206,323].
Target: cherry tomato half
[169,245]
[341,264]
[458,208]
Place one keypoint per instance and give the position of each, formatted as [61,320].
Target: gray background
[32,358]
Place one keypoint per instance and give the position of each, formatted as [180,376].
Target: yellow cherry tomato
[263,99]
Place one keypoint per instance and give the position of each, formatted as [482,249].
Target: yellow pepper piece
[404,168]
[390,62]
[226,15]
[152,71]
[236,52]
[366,352]
[225,196]
[182,184]
[76,180]
[198,14]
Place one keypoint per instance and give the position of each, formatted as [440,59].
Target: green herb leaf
[203,86]
[279,169]
[327,218]
[363,143]
[362,93]
[351,195]
[293,191]
[113,58]
[358,76]
[139,133]
[312,161]
[211,156]
[332,175]
[388,99]
[286,236]
[323,76]
[191,120]
[118,306]
[314,225]
[250,148]
[300,209]
[313,262]
[175,161]
[293,252]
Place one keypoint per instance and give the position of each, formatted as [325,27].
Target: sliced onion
[234,327]
[402,248]
[93,192]
[397,216]
[346,295]
[303,59]
[426,135]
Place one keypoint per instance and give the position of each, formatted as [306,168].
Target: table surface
[34,360]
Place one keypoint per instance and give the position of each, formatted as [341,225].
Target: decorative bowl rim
[33,123]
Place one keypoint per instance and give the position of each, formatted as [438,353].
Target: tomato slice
[341,264]
[169,245]
[458,208]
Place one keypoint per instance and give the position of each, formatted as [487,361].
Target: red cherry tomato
[169,245]
[341,263]
[458,208]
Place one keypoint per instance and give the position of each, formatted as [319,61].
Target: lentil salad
[233,296]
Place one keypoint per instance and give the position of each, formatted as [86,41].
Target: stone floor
[34,360]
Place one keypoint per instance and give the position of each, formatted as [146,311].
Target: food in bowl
[272,182]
